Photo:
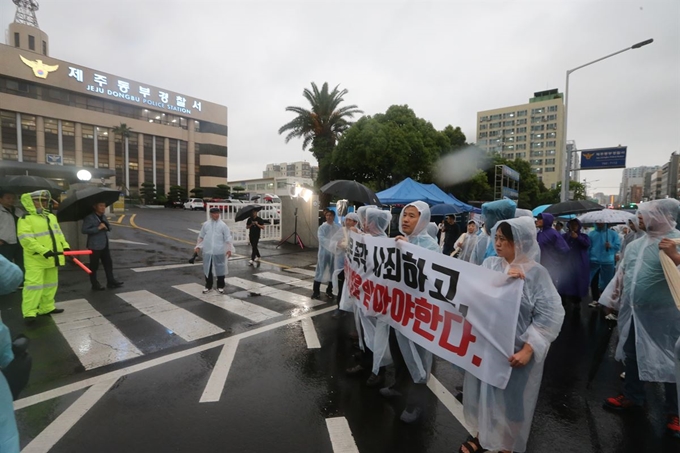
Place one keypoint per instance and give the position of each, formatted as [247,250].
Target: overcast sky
[446,59]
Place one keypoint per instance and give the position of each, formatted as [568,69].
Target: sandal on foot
[472,445]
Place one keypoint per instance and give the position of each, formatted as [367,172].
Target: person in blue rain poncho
[10,278]
[412,362]
[604,245]
[326,258]
[649,321]
[503,418]
[493,212]
[374,333]
[215,241]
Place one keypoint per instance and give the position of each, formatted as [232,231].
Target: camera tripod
[298,240]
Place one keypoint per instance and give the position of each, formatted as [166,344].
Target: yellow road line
[120,220]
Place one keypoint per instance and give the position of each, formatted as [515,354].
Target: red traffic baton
[74,253]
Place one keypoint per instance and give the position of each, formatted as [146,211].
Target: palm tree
[323,125]
[124,131]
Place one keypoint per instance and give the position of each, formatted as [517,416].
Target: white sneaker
[220,290]
[593,304]
[623,375]
[250,262]
[206,290]
[257,259]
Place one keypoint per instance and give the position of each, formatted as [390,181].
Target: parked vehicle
[194,204]
[175,204]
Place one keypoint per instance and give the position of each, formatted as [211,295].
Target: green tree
[196,192]
[385,149]
[579,190]
[124,131]
[222,191]
[177,193]
[322,125]
[456,137]
[148,192]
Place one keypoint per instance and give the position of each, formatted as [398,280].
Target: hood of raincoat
[377,221]
[523,213]
[361,212]
[352,216]
[548,220]
[634,223]
[42,195]
[524,238]
[659,216]
[424,219]
[495,211]
[432,229]
[578,222]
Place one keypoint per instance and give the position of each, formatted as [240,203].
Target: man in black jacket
[96,226]
[255,225]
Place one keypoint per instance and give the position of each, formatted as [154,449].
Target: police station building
[57,118]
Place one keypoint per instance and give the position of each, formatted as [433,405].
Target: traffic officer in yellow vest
[43,244]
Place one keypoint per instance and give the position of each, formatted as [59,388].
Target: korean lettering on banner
[437,302]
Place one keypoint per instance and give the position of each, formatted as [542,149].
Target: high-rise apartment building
[300,169]
[532,132]
[635,184]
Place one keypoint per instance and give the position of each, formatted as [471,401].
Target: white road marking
[275,293]
[297,270]
[70,388]
[341,436]
[162,268]
[194,231]
[254,313]
[218,377]
[44,441]
[292,281]
[124,241]
[448,400]
[185,324]
[93,338]
[311,337]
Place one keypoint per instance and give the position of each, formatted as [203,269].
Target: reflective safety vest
[39,234]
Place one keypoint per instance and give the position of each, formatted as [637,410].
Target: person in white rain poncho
[325,263]
[503,417]
[375,334]
[634,232]
[649,321]
[412,362]
[467,242]
[215,241]
[338,246]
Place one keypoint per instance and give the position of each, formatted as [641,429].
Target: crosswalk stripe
[162,268]
[218,377]
[180,321]
[252,312]
[297,270]
[93,338]
[309,331]
[341,435]
[292,281]
[274,293]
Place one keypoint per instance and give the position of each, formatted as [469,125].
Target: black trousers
[104,256]
[317,288]
[416,394]
[341,284]
[595,286]
[209,279]
[14,254]
[255,252]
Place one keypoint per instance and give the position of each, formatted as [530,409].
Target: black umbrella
[573,207]
[352,191]
[246,211]
[26,183]
[79,204]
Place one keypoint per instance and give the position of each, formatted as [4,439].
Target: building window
[536,154]
[103,147]
[537,170]
[31,42]
[550,143]
[87,132]
[552,108]
[509,123]
[520,155]
[68,140]
[551,135]
[521,138]
[29,138]
[44,47]
[495,125]
[482,127]
[509,115]
[549,162]
[537,128]
[537,111]
[521,129]
[521,121]
[509,156]
[552,117]
[536,161]
[550,152]
[551,127]
[17,40]
[508,131]
[522,146]
[549,169]
[536,145]
[8,133]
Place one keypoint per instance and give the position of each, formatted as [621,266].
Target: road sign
[597,159]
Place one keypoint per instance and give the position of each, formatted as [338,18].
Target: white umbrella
[608,216]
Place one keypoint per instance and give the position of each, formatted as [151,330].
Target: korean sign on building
[596,159]
[463,313]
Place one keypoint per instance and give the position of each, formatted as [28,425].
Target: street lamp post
[564,196]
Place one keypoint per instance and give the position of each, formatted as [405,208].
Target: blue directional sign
[597,159]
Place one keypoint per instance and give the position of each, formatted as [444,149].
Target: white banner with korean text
[461,312]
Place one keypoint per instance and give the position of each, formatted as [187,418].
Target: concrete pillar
[40,138]
[140,159]
[153,158]
[166,164]
[79,145]
[112,156]
[20,144]
[191,159]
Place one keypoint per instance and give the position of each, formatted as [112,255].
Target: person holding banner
[502,417]
[339,243]
[412,362]
[493,212]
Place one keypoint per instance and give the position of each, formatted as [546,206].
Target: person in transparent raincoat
[374,332]
[217,245]
[493,212]
[649,321]
[503,418]
[467,245]
[10,278]
[326,258]
[634,232]
[412,362]
[338,246]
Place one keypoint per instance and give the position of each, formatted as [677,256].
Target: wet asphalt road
[278,393]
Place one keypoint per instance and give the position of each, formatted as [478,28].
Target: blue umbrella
[445,209]
[539,209]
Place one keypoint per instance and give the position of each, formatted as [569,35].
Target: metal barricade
[271,212]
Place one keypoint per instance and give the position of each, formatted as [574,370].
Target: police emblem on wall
[40,69]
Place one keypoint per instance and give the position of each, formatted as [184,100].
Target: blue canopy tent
[409,191]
